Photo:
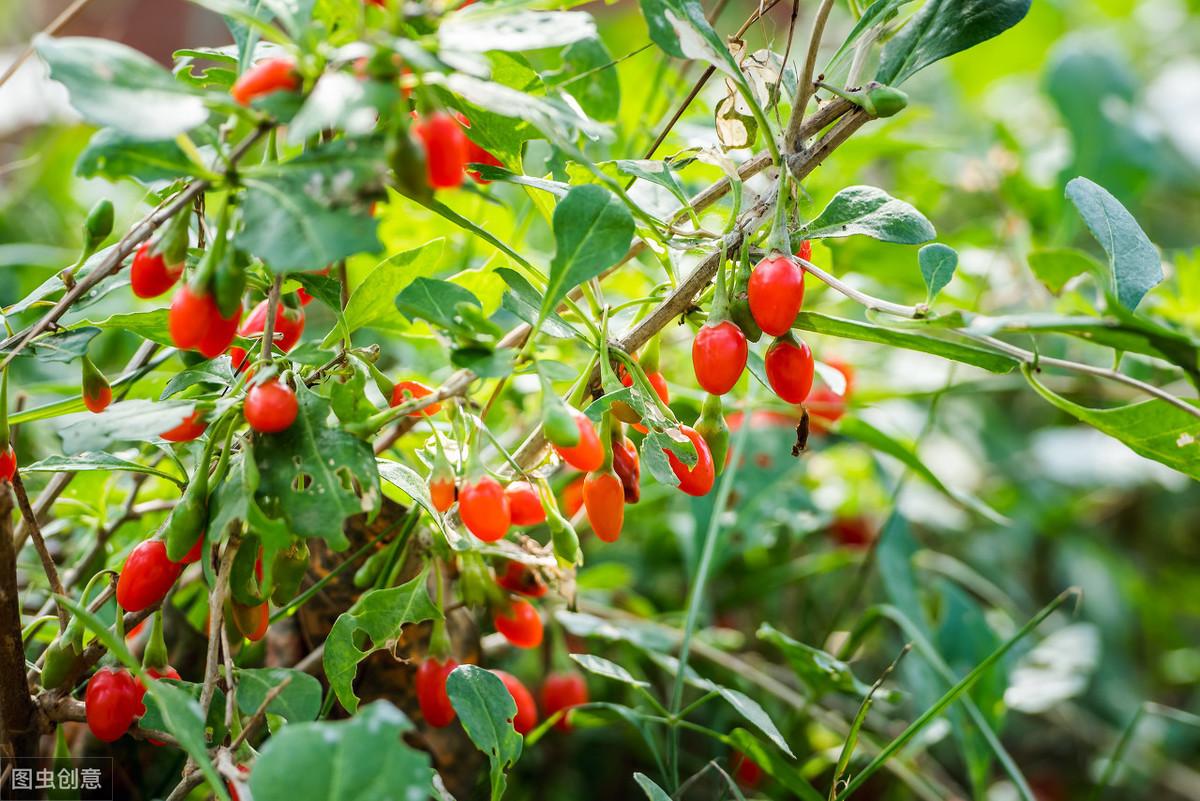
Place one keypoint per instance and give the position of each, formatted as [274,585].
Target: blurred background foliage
[1109,89]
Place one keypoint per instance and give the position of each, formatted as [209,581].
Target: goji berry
[776,293]
[442,492]
[698,479]
[431,691]
[589,453]
[628,467]
[604,501]
[719,355]
[192,427]
[408,390]
[140,689]
[8,464]
[526,717]
[562,691]
[270,407]
[445,149]
[520,624]
[572,496]
[267,76]
[525,504]
[484,509]
[789,367]
[146,577]
[150,275]
[110,703]
[286,331]
[521,579]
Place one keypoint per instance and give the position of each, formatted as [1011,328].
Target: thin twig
[39,544]
[268,336]
[57,23]
[260,714]
[804,89]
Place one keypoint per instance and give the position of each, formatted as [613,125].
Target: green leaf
[821,672]
[113,154]
[868,332]
[646,636]
[871,212]
[680,28]
[586,77]
[299,702]
[63,346]
[864,432]
[496,27]
[315,476]
[181,714]
[938,263]
[434,300]
[125,421]
[308,212]
[94,460]
[151,325]
[592,231]
[156,721]
[609,670]
[878,13]
[216,372]
[525,302]
[345,760]
[406,479]
[652,790]
[1054,267]
[943,28]
[1154,428]
[292,230]
[373,301]
[486,710]
[113,85]
[340,101]
[1135,263]
[379,615]
[773,764]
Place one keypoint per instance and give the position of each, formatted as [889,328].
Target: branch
[19,727]
[804,89]
[115,257]
[39,544]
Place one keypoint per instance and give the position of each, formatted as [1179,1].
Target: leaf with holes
[314,476]
[379,615]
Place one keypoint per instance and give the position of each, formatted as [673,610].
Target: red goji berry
[110,703]
[146,577]
[589,453]
[719,355]
[698,479]
[789,367]
[267,76]
[150,275]
[562,691]
[520,624]
[270,407]
[431,691]
[525,504]
[484,509]
[604,501]
[775,294]
[526,717]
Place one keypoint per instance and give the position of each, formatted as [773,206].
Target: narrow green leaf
[95,460]
[609,670]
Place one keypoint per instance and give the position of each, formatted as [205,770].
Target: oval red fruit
[789,366]
[805,250]
[99,400]
[776,293]
[267,76]
[698,479]
[140,689]
[445,149]
[484,509]
[431,692]
[192,427]
[572,496]
[525,504]
[408,390]
[110,703]
[442,492]
[252,621]
[271,407]
[8,464]
[286,331]
[219,333]
[527,714]
[522,580]
[520,624]
[719,356]
[149,274]
[562,691]
[188,319]
[146,577]
[604,501]
[627,465]
[589,453]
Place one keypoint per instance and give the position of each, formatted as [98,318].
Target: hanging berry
[405,391]
[270,407]
[484,509]
[698,479]
[522,580]
[628,467]
[149,274]
[110,703]
[97,393]
[147,576]
[719,350]
[520,624]
[776,293]
[446,149]
[191,428]
[589,453]
[267,76]
[526,717]
[562,691]
[789,366]
[431,691]
[526,506]
[286,332]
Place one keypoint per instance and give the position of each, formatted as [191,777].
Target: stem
[804,89]
[697,594]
